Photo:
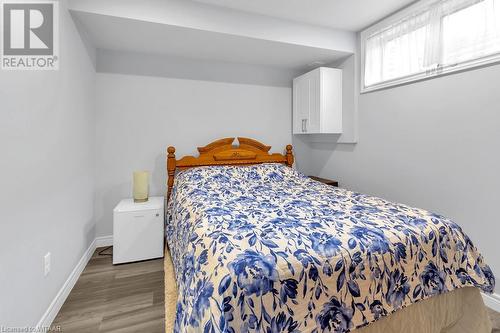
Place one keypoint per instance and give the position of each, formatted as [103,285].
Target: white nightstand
[138,230]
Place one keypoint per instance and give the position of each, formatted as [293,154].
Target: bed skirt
[459,311]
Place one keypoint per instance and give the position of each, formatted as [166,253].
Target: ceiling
[289,34]
[352,15]
[124,34]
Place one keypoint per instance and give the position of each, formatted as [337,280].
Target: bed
[259,247]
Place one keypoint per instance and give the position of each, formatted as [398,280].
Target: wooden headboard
[223,152]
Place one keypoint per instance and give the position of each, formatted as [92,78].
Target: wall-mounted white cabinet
[317,102]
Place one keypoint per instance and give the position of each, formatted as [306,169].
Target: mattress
[266,249]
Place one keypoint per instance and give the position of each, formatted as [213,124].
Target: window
[428,39]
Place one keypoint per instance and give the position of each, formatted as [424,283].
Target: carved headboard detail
[223,152]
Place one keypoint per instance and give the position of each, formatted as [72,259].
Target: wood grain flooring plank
[115,298]
[150,319]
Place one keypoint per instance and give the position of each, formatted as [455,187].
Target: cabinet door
[306,103]
[331,101]
[301,104]
[314,120]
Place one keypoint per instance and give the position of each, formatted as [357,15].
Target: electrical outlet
[46,264]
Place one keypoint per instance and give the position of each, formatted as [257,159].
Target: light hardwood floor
[125,298]
[122,298]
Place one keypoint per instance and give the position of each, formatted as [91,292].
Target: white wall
[47,177]
[433,144]
[139,116]
[120,62]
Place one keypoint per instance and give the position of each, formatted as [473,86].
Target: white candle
[141,186]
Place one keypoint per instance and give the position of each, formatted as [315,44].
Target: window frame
[408,11]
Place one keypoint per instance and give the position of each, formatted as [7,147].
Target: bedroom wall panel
[139,116]
[132,63]
[47,182]
[432,144]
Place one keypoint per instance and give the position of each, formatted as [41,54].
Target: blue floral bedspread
[266,249]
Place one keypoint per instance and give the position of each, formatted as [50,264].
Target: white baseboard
[63,293]
[492,301]
[58,301]
[104,241]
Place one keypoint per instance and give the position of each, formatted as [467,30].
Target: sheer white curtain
[471,32]
[396,51]
[442,34]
